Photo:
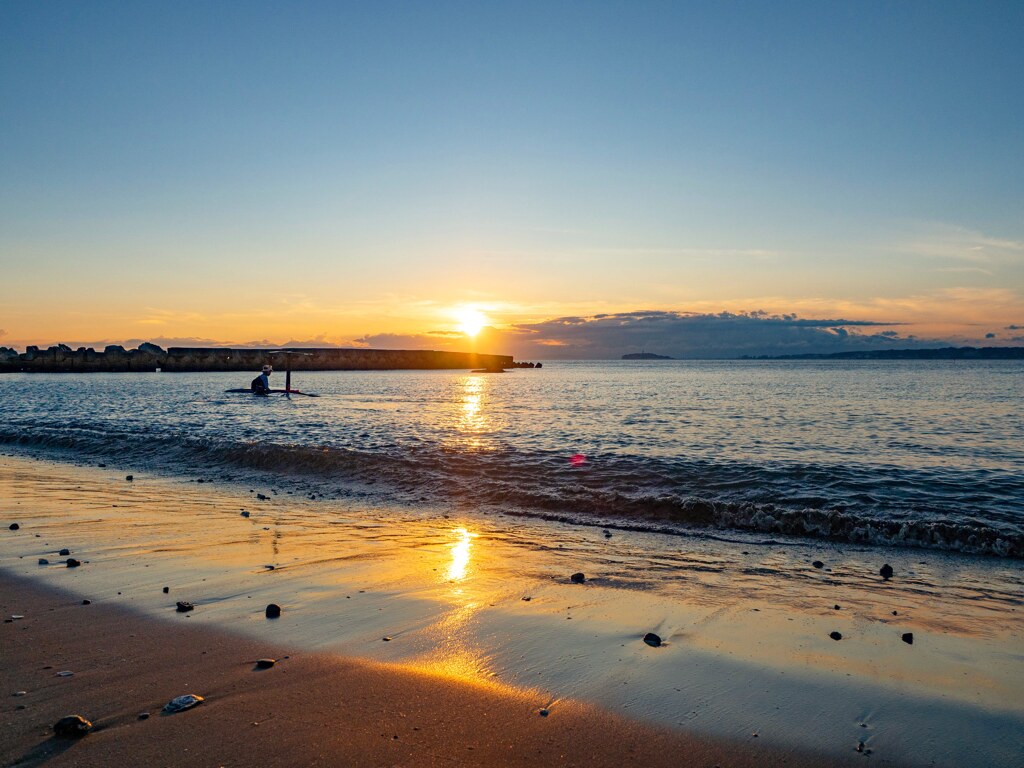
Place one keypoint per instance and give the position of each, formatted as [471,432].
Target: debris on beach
[908,638]
[143,716]
[265,663]
[64,552]
[43,561]
[273,611]
[835,635]
[183,606]
[544,712]
[818,564]
[14,526]
[73,563]
[577,578]
[87,602]
[72,727]
[386,639]
[65,673]
[261,497]
[20,693]
[526,598]
[245,513]
[16,616]
[652,640]
[181,703]
[129,478]
[835,608]
[607,533]
[166,590]
[886,571]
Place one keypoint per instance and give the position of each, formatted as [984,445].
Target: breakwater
[149,357]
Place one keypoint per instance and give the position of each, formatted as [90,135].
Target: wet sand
[309,709]
[746,628]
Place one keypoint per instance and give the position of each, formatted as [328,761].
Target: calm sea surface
[926,454]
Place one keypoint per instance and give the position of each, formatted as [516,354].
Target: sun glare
[471,321]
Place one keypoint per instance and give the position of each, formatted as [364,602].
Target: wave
[976,513]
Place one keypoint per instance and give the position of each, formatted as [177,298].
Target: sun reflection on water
[460,554]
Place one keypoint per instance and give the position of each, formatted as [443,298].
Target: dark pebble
[14,526]
[87,602]
[652,640]
[544,713]
[261,497]
[886,571]
[273,611]
[43,561]
[835,635]
[72,563]
[607,534]
[577,578]
[166,590]
[72,727]
[908,638]
[894,613]
[835,608]
[130,478]
[101,465]
[64,552]
[244,513]
[184,606]
[265,663]
[386,639]
[818,564]
[143,715]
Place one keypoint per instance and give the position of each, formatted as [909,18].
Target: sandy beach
[484,629]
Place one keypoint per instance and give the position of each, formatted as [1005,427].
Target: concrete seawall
[149,357]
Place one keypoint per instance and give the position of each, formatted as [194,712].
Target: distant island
[645,356]
[944,353]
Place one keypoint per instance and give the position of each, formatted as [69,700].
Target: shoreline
[747,647]
[309,709]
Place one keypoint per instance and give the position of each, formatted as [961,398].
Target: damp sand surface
[484,605]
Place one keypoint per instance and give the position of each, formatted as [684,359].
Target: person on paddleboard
[261,384]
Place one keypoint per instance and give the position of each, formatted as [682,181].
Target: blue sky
[240,171]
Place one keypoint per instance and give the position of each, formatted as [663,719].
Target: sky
[714,178]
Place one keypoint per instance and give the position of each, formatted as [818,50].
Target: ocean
[887,453]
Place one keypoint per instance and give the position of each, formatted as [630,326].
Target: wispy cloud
[944,241]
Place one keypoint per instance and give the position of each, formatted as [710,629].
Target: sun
[471,321]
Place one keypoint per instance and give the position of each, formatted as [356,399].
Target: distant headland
[943,353]
[646,356]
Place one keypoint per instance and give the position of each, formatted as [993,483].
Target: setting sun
[470,321]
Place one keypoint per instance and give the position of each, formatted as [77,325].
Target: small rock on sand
[908,638]
[183,606]
[87,602]
[544,713]
[265,663]
[886,571]
[129,478]
[273,611]
[72,563]
[65,673]
[577,578]
[143,716]
[386,639]
[20,693]
[244,513]
[64,552]
[72,727]
[652,640]
[835,608]
[166,590]
[835,635]
[261,497]
[181,703]
[43,561]
[818,564]
[14,526]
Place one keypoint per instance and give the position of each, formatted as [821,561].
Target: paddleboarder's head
[268,369]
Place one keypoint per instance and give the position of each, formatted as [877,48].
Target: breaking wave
[944,509]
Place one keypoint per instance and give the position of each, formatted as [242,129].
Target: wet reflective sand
[746,625]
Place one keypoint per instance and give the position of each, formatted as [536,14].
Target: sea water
[891,453]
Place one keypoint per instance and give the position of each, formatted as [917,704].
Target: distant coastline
[943,353]
[646,356]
